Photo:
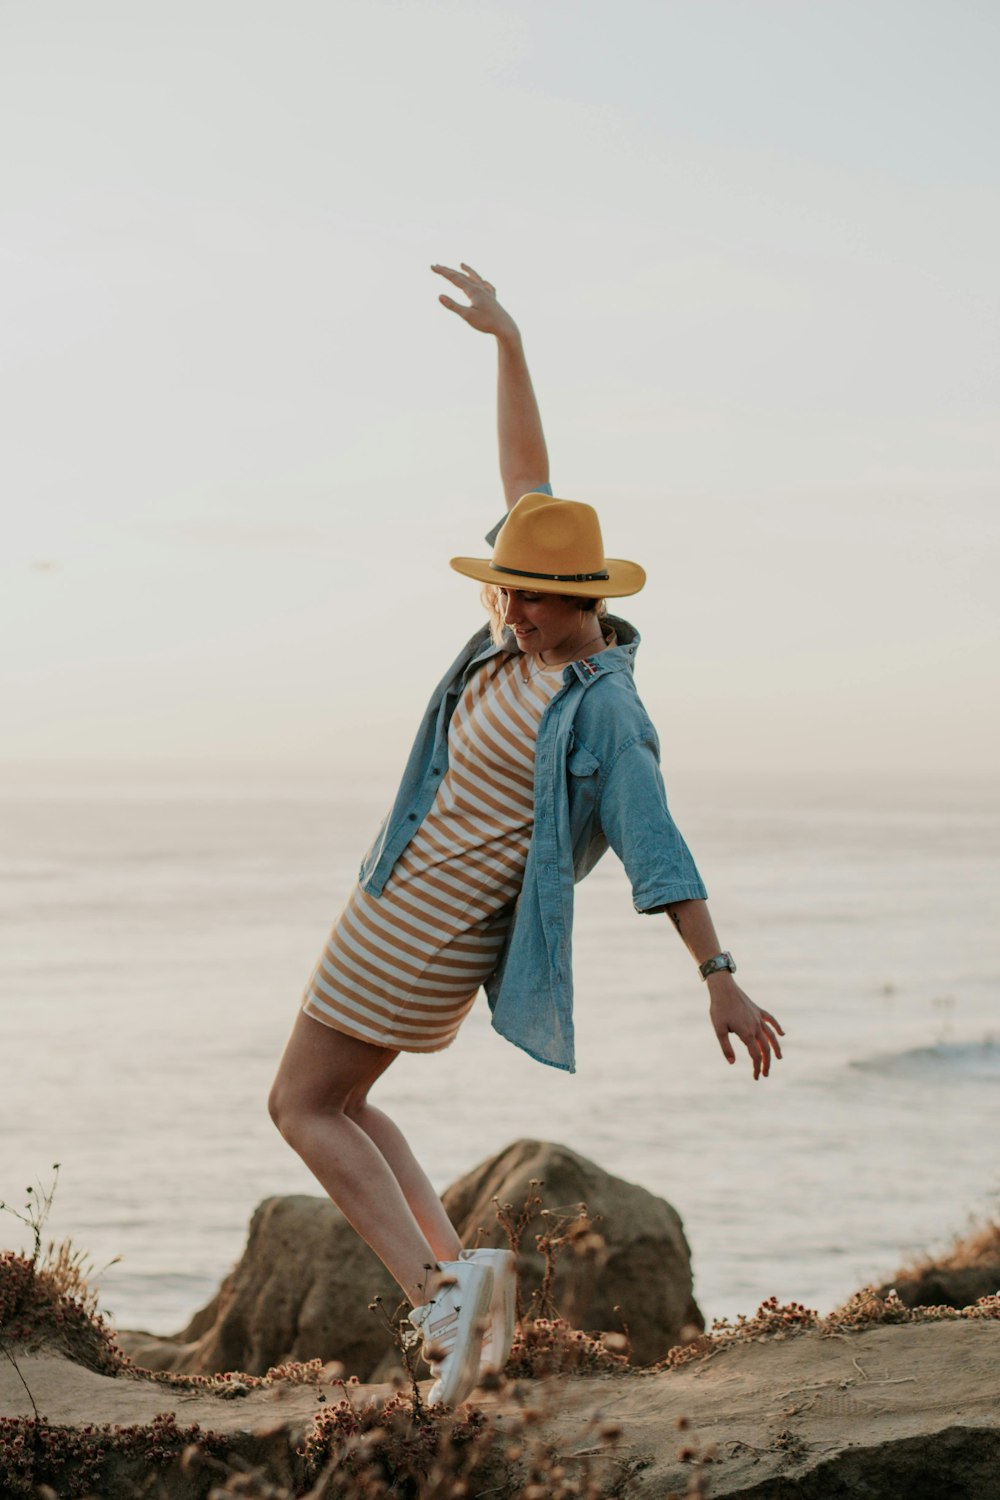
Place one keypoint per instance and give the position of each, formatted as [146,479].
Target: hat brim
[623,578]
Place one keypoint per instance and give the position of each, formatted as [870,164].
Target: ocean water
[158,931]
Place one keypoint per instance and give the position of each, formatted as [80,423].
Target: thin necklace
[543,666]
[580,652]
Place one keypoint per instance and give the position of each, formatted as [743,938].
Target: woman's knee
[278,1105]
[289,1103]
[292,1104]
[323,1073]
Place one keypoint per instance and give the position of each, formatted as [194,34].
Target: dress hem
[358,1036]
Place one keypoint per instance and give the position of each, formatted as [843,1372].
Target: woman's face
[548,622]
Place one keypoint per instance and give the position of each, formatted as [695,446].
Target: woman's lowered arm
[524,459]
[637,824]
[730,1010]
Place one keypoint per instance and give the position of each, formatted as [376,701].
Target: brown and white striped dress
[403,969]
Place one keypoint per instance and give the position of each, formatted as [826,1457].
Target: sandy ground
[906,1411]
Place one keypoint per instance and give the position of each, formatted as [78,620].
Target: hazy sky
[753,248]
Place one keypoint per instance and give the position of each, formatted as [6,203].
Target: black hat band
[554,577]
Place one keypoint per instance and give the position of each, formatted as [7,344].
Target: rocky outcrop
[939,1286]
[965,1273]
[903,1410]
[303,1286]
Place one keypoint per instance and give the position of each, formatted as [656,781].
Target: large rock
[301,1291]
[640,1277]
[303,1286]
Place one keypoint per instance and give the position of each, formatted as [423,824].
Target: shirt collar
[618,656]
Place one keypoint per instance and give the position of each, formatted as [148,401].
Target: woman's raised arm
[524,459]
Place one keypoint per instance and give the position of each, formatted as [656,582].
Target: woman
[535,754]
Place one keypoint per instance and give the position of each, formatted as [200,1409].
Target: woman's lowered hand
[734,1013]
[483,310]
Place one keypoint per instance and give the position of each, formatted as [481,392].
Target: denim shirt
[597,785]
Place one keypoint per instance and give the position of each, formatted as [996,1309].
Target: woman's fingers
[452,305]
[759,1045]
[481,279]
[722,1033]
[773,1040]
[757,1029]
[468,280]
[455,277]
[768,1043]
[761,1054]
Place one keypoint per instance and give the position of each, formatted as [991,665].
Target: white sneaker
[451,1327]
[499,1335]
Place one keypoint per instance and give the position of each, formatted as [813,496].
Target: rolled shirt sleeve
[636,820]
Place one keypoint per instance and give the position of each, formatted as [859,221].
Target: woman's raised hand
[483,311]
[524,461]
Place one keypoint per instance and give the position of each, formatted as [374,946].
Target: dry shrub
[34,1307]
[978,1248]
[775,1320]
[552,1346]
[375,1449]
[73,1462]
[868,1308]
[772,1319]
[545,1342]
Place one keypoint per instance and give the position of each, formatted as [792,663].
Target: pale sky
[753,249]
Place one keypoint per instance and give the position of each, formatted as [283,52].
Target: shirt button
[412,817]
[435,771]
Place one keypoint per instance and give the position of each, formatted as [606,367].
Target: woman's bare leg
[426,1206]
[318,1102]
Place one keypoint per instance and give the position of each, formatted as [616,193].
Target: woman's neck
[589,647]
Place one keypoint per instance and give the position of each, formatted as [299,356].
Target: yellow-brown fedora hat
[552,546]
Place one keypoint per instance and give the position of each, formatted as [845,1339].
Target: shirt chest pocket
[580,763]
[583,773]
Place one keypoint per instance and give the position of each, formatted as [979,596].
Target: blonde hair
[490,595]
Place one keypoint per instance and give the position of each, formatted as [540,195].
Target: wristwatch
[713,965]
